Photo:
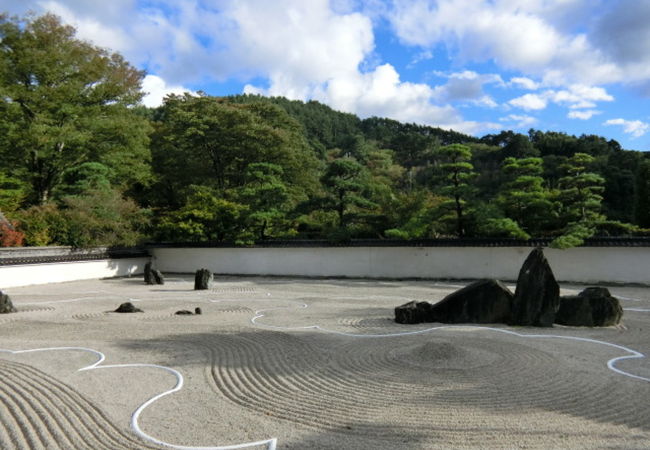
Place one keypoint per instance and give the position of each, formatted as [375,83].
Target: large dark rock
[483,301]
[6,306]
[127,307]
[148,274]
[158,277]
[202,279]
[593,307]
[184,312]
[413,312]
[537,297]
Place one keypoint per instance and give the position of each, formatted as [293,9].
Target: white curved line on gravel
[270,443]
[633,354]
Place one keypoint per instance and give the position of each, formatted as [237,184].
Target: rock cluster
[153,276]
[6,306]
[536,302]
[202,279]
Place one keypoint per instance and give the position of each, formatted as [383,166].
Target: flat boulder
[202,279]
[593,307]
[184,312]
[412,312]
[127,307]
[6,306]
[537,296]
[483,301]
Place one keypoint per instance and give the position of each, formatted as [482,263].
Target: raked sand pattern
[309,364]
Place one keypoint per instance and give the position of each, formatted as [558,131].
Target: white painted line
[270,443]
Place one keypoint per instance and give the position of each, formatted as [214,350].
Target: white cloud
[467,86]
[575,96]
[517,121]
[583,114]
[636,128]
[548,40]
[156,90]
[530,102]
[524,83]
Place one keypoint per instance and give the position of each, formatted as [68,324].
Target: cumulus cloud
[518,121]
[583,114]
[636,128]
[544,39]
[530,102]
[467,86]
[524,83]
[575,96]
[156,90]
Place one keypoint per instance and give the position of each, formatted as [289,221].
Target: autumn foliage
[9,236]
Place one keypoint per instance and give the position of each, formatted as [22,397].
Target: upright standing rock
[5,304]
[148,274]
[158,277]
[202,279]
[537,297]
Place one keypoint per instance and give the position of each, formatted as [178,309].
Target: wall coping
[39,255]
[451,242]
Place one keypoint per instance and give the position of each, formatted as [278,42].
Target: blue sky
[579,66]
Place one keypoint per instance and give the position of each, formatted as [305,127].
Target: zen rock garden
[536,302]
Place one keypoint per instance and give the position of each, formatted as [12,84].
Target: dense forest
[84,163]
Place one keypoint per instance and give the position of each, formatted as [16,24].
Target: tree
[208,141]
[523,197]
[266,197]
[580,196]
[642,203]
[344,182]
[456,171]
[68,102]
[205,216]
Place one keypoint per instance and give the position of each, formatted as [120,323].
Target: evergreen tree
[523,197]
[456,172]
[580,196]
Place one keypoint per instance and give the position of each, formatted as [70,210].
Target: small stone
[197,311]
[6,306]
[127,307]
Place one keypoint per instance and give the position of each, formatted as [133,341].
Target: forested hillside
[83,163]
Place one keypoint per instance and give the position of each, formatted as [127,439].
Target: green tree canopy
[67,101]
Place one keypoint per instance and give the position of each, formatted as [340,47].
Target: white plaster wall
[28,274]
[585,265]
